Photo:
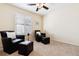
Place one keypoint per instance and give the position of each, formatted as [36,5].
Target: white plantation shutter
[28,25]
[23,24]
[19,19]
[20,30]
[28,29]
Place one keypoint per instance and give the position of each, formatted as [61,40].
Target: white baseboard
[67,42]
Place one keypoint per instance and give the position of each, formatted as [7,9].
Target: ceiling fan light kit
[39,6]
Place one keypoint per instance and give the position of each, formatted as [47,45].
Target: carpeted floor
[55,48]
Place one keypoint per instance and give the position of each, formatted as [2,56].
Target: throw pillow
[11,35]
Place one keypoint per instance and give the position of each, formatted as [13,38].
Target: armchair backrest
[3,35]
[37,31]
[20,37]
[5,40]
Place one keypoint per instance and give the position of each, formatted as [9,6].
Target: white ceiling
[33,8]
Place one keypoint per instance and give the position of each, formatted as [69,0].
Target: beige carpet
[53,49]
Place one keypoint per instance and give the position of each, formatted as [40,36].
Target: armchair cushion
[16,40]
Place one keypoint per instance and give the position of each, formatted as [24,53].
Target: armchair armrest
[8,40]
[20,37]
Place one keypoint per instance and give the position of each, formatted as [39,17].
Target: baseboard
[67,42]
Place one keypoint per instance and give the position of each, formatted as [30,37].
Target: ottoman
[45,40]
[25,48]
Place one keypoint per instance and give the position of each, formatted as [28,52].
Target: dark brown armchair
[41,37]
[9,44]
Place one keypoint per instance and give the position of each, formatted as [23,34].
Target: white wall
[63,23]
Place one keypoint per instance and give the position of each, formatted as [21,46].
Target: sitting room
[39,29]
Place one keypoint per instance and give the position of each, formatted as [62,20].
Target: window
[23,24]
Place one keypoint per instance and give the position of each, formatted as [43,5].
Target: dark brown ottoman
[45,40]
[25,48]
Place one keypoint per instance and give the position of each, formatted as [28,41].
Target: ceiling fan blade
[37,9]
[45,7]
[31,4]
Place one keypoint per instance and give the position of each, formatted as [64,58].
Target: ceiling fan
[39,6]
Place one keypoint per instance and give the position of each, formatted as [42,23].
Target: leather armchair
[9,44]
[41,37]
